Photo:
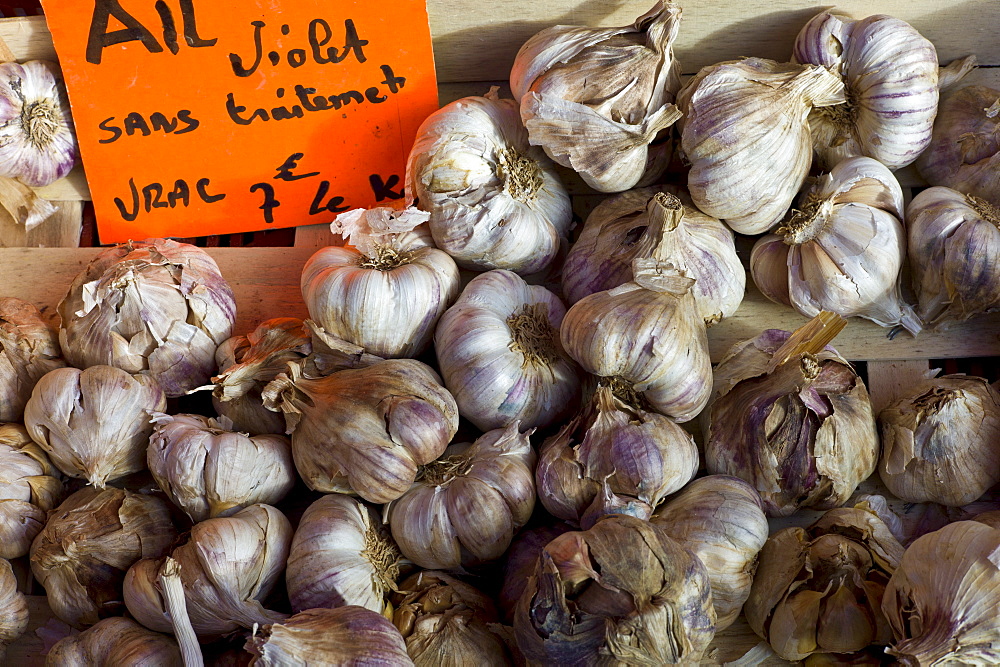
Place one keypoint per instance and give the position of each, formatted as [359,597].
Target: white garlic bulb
[208,470]
[115,641]
[646,338]
[890,108]
[341,554]
[963,153]
[94,423]
[495,202]
[842,250]
[228,566]
[37,144]
[466,507]
[632,224]
[596,98]
[385,292]
[30,486]
[721,520]
[940,441]
[954,249]
[28,350]
[746,135]
[943,598]
[499,353]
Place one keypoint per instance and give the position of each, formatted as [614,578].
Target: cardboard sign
[200,117]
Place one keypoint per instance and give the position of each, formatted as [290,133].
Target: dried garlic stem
[533,336]
[173,593]
[810,338]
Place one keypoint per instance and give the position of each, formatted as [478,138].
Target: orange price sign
[200,117]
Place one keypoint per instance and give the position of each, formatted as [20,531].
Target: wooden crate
[474,47]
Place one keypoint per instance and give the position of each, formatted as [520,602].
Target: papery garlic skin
[365,431]
[624,590]
[466,507]
[208,470]
[247,363]
[638,454]
[228,566]
[721,520]
[495,202]
[943,598]
[647,338]
[596,98]
[30,486]
[891,78]
[964,153]
[940,441]
[115,641]
[381,293]
[625,227]
[954,249]
[28,350]
[341,554]
[37,144]
[13,608]
[499,353]
[156,307]
[95,423]
[819,589]
[90,540]
[843,250]
[802,434]
[748,174]
[520,563]
[445,621]
[349,635]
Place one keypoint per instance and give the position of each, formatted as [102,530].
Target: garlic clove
[28,350]
[13,608]
[613,86]
[30,486]
[115,641]
[793,624]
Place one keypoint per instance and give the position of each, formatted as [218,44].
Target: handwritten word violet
[37,144]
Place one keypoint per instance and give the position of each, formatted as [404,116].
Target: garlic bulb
[749,174]
[646,338]
[30,486]
[631,224]
[248,363]
[208,470]
[942,600]
[954,249]
[939,441]
[28,350]
[622,592]
[596,98]
[446,622]
[13,608]
[890,109]
[365,431]
[791,417]
[520,562]
[495,202]
[155,307]
[963,153]
[465,507]
[386,291]
[90,540]
[94,423]
[228,566]
[721,520]
[341,554]
[499,353]
[639,454]
[37,144]
[842,250]
[115,641]
[819,589]
[343,636]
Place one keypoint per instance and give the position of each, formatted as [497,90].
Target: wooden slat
[266,282]
[476,41]
[888,381]
[28,37]
[71,188]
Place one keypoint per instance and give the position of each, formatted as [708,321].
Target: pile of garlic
[473,394]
